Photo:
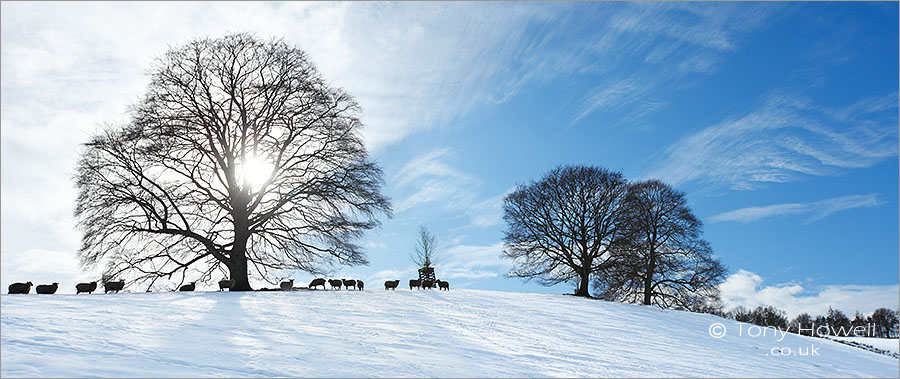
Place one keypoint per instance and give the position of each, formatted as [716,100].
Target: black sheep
[349,283]
[85,287]
[113,286]
[188,287]
[444,285]
[427,284]
[23,288]
[47,289]
[415,283]
[360,285]
[391,284]
[226,283]
[335,283]
[317,282]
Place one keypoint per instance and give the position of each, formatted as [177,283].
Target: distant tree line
[635,242]
[882,323]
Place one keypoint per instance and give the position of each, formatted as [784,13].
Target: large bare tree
[661,258]
[240,160]
[562,227]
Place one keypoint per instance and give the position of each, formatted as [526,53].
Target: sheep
[85,287]
[23,288]
[317,282]
[113,286]
[226,283]
[360,285]
[415,283]
[335,283]
[443,285]
[391,284]
[48,289]
[288,285]
[349,283]
[188,287]
[427,284]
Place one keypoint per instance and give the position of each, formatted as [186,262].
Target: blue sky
[779,121]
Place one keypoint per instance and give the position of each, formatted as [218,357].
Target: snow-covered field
[461,333]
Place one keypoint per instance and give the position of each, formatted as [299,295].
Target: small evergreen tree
[769,316]
[859,321]
[838,323]
[818,323]
[741,314]
[802,324]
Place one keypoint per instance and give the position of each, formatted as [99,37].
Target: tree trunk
[583,287]
[241,236]
[238,272]
[647,292]
[648,279]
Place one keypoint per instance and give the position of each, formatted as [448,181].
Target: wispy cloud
[814,210]
[748,289]
[474,262]
[785,139]
[429,166]
[432,179]
[648,50]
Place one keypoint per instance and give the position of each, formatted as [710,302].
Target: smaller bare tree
[661,257]
[425,253]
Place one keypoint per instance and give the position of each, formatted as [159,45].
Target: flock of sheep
[358,284]
[24,288]
[336,284]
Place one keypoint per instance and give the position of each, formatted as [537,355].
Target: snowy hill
[461,333]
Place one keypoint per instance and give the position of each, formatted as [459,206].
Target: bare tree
[240,158]
[561,227]
[884,321]
[661,258]
[425,252]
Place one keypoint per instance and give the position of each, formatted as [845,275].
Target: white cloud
[433,180]
[747,288]
[816,210]
[783,140]
[659,45]
[474,262]
[488,212]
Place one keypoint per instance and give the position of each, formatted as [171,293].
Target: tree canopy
[562,227]
[239,159]
[661,258]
